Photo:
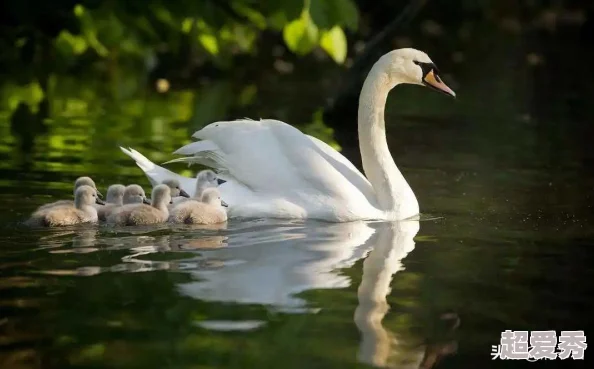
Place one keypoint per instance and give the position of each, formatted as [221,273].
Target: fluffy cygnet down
[82,211]
[210,210]
[204,179]
[81,181]
[144,214]
[131,195]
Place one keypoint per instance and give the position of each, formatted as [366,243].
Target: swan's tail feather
[155,173]
[143,163]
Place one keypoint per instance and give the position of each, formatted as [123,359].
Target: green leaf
[207,37]
[89,30]
[187,25]
[209,42]
[321,14]
[329,13]
[279,13]
[67,42]
[335,43]
[347,13]
[301,35]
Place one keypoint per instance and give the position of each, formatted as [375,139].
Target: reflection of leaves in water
[89,353]
[426,238]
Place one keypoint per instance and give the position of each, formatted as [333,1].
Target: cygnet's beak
[99,193]
[223,203]
[432,80]
[183,193]
[146,201]
[220,181]
[99,201]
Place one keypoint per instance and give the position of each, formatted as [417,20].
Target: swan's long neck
[393,193]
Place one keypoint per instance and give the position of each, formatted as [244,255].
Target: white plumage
[274,170]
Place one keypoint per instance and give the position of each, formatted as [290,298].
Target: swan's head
[212,196]
[414,67]
[175,188]
[134,194]
[86,181]
[115,194]
[161,195]
[86,195]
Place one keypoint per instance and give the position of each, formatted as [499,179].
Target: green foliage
[213,30]
[319,24]
[334,42]
[318,129]
[301,35]
[329,13]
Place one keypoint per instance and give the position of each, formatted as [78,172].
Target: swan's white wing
[345,167]
[270,156]
[157,174]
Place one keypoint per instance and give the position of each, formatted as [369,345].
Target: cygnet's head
[161,195]
[86,195]
[206,179]
[134,194]
[209,177]
[86,181]
[175,188]
[212,196]
[411,66]
[115,194]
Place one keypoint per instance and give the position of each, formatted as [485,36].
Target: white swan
[274,170]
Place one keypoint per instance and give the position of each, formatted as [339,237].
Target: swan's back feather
[294,162]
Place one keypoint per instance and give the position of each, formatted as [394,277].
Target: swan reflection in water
[279,265]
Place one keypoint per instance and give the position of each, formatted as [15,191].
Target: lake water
[504,243]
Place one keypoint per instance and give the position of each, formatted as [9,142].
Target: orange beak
[432,80]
